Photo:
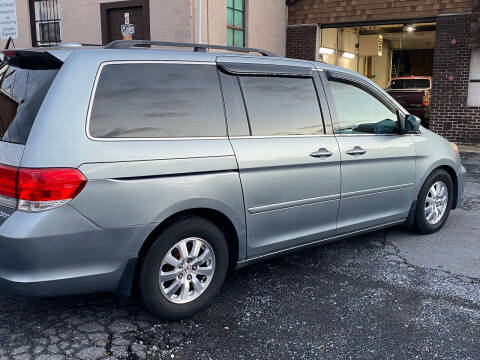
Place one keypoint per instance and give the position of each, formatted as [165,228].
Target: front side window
[359,112]
[157,100]
[236,23]
[282,106]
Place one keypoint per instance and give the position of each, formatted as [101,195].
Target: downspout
[199,21]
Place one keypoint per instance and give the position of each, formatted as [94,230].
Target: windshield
[401,84]
[22,92]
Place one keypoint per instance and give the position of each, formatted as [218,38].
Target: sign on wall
[127,30]
[8,19]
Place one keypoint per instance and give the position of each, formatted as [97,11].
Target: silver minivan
[140,170]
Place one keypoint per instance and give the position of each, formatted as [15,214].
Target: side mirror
[408,123]
[412,123]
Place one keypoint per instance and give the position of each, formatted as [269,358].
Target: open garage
[384,52]
[430,40]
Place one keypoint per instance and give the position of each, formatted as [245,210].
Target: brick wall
[302,42]
[341,11]
[450,115]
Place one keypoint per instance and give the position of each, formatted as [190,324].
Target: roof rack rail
[128,44]
[74,44]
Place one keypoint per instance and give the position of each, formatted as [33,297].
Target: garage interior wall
[343,40]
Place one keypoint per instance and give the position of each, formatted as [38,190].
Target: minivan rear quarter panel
[127,179]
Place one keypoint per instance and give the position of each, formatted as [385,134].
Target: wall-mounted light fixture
[348,55]
[409,28]
[326,51]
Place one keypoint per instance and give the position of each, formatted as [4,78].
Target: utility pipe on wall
[199,21]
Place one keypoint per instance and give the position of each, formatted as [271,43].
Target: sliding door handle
[357,150]
[321,153]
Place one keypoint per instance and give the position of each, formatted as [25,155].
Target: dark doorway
[113,19]
[417,62]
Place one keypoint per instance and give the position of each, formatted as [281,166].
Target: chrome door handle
[322,152]
[357,150]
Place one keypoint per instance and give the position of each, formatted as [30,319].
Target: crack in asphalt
[108,345]
[397,252]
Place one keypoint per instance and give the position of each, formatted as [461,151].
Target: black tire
[149,288]
[421,224]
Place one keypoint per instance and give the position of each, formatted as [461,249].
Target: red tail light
[8,181]
[426,99]
[9,52]
[40,189]
[49,184]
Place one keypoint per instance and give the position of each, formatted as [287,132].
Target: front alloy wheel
[436,202]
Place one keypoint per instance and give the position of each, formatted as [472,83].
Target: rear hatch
[25,78]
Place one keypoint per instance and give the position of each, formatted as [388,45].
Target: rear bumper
[60,252]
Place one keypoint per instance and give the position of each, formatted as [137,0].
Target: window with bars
[45,22]
[236,23]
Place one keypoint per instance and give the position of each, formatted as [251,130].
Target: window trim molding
[264,70]
[119,139]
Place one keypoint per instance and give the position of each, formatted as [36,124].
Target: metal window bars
[45,22]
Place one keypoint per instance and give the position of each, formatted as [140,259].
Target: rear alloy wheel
[184,268]
[434,202]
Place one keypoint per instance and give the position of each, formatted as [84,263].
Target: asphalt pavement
[390,294]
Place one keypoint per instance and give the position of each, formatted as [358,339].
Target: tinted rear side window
[21,94]
[148,100]
[282,106]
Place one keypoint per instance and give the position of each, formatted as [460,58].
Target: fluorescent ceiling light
[348,55]
[326,51]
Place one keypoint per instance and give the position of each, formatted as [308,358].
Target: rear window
[21,95]
[148,100]
[401,84]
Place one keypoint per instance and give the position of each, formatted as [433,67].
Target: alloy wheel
[186,270]
[436,202]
